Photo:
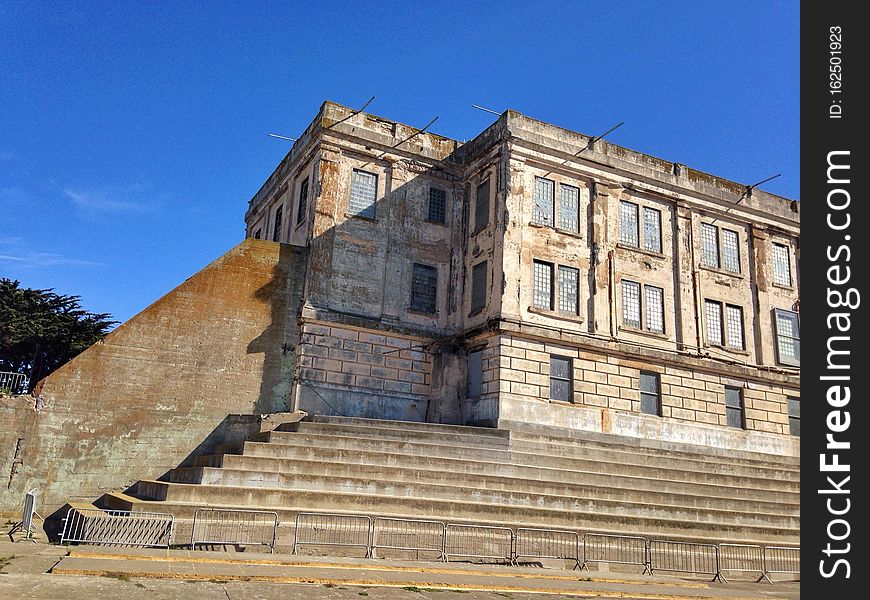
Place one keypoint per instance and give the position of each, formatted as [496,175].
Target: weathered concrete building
[532,276]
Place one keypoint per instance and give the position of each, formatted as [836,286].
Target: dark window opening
[734,410]
[794,416]
[437,205]
[478,287]
[561,379]
[276,233]
[303,201]
[481,206]
[424,285]
[650,395]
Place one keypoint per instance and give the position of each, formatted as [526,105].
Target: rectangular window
[730,251]
[481,206]
[542,211]
[569,207]
[478,287]
[781,265]
[276,232]
[542,296]
[713,312]
[475,374]
[569,279]
[363,192]
[709,246]
[788,337]
[654,298]
[734,415]
[794,416]
[303,201]
[734,319]
[561,376]
[628,233]
[437,205]
[631,303]
[650,396]
[652,230]
[257,234]
[424,286]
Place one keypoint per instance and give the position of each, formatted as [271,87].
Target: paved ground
[88,572]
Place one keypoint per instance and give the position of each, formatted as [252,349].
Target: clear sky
[132,134]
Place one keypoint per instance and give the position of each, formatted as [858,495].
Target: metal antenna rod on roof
[416,133]
[484,109]
[365,105]
[598,137]
[749,188]
[281,137]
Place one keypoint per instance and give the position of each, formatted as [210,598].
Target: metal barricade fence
[478,541]
[12,383]
[215,526]
[117,527]
[408,534]
[740,557]
[333,529]
[616,549]
[684,557]
[547,543]
[781,559]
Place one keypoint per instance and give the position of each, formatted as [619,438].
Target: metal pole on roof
[484,109]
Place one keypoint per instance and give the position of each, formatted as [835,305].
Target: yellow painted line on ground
[392,584]
[377,567]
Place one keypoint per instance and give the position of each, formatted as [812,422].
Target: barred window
[650,395]
[424,286]
[437,205]
[734,317]
[569,206]
[794,416]
[631,303]
[478,287]
[788,341]
[654,298]
[542,212]
[303,201]
[481,206]
[363,192]
[542,296]
[561,376]
[734,414]
[628,233]
[709,245]
[730,251]
[781,265]
[569,279]
[652,230]
[713,311]
[276,232]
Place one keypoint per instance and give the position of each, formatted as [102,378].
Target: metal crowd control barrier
[12,383]
[781,559]
[408,534]
[214,526]
[117,528]
[479,541]
[332,529]
[741,557]
[684,557]
[615,549]
[547,543]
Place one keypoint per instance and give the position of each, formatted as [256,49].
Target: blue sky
[133,134]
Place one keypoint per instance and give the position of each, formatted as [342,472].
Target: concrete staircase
[586,482]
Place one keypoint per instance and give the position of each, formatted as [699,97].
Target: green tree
[41,330]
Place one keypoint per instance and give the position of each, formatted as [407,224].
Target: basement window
[650,394]
[561,379]
[363,192]
[794,416]
[734,411]
[424,285]
[475,374]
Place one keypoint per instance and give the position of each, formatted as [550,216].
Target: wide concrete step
[588,440]
[433,484]
[498,438]
[341,448]
[470,471]
[416,494]
[588,517]
[410,425]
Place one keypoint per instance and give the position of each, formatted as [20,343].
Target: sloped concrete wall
[141,401]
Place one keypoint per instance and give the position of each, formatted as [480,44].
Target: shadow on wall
[279,340]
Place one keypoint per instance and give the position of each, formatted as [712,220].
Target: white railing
[12,383]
